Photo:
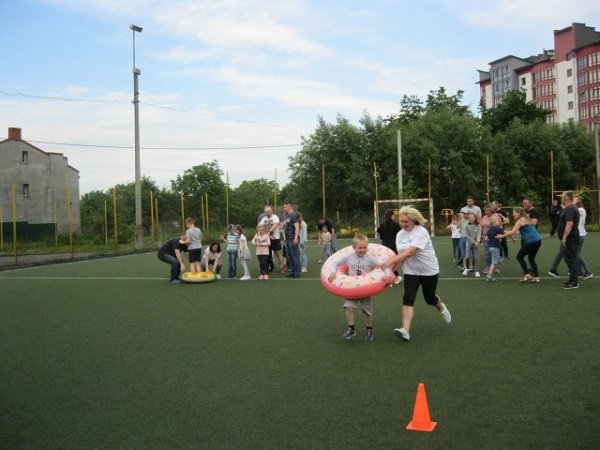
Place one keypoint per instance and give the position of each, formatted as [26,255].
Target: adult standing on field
[568,233]
[271,222]
[532,212]
[170,253]
[388,230]
[471,207]
[331,228]
[292,240]
[420,267]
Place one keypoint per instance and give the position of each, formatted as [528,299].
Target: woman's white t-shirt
[424,261]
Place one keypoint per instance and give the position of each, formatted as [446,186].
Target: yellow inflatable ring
[355,286]
[198,277]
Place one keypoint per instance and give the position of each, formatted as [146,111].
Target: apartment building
[564,80]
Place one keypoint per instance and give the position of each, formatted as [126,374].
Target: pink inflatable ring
[357,286]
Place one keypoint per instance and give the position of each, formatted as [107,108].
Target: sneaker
[262,277]
[245,278]
[218,277]
[486,270]
[398,279]
[460,268]
[445,313]
[320,261]
[587,276]
[570,285]
[402,333]
[304,270]
[465,272]
[175,281]
[369,334]
[491,279]
[535,280]
[266,277]
[526,279]
[553,274]
[350,333]
[282,270]
[477,275]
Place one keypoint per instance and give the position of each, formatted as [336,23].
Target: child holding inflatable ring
[359,263]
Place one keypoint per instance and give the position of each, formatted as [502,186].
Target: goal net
[424,205]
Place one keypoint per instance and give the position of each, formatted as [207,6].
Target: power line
[81,100]
[249,147]
[62,99]
[264,124]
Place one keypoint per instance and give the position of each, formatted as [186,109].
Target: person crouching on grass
[359,263]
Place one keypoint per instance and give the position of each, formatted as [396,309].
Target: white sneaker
[402,333]
[398,279]
[465,272]
[304,270]
[245,278]
[526,279]
[477,275]
[445,313]
[218,277]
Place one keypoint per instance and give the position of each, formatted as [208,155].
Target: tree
[514,106]
[195,183]
[249,199]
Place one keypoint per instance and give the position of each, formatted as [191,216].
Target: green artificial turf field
[107,354]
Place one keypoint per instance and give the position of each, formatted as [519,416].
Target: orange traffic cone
[421,420]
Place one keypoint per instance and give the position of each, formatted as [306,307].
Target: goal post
[424,205]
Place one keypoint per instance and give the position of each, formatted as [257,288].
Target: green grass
[108,354]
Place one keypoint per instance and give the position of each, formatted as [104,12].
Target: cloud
[517,14]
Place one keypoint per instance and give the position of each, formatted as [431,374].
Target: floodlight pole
[139,230]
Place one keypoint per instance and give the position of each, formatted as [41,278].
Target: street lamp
[139,231]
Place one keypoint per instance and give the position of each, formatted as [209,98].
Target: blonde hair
[522,213]
[413,214]
[359,238]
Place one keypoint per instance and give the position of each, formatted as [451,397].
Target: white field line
[118,278]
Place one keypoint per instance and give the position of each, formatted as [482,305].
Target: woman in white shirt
[584,268]
[419,265]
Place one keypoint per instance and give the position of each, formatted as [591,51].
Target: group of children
[468,234]
[211,260]
[237,247]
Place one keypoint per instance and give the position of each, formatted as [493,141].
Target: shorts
[494,255]
[365,303]
[194,255]
[275,245]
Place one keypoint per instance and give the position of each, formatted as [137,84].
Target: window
[25,157]
[25,190]
[570,89]
[570,105]
[569,72]
[523,81]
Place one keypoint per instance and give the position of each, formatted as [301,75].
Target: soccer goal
[424,205]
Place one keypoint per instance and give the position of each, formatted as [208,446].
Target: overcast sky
[220,78]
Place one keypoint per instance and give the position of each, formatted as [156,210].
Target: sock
[369,328]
